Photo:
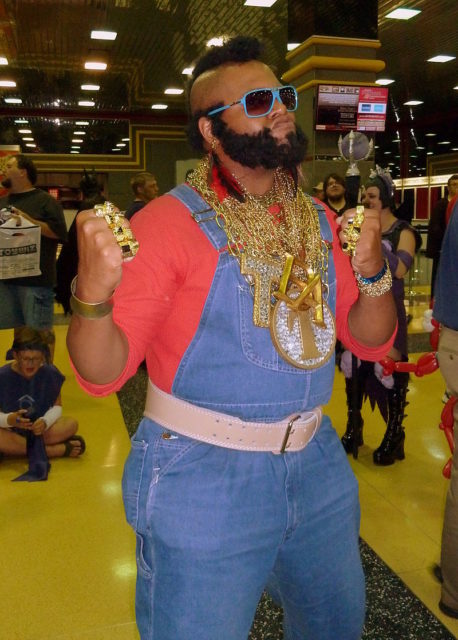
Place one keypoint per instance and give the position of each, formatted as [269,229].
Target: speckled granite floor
[393,611]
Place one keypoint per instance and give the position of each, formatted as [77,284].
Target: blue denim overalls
[216,526]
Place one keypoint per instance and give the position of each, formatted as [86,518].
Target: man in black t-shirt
[30,300]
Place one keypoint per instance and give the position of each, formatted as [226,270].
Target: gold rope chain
[250,228]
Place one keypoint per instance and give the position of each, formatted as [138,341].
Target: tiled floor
[68,563]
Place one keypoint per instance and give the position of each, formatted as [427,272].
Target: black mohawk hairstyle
[237,49]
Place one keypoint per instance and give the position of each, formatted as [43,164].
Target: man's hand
[100,258]
[367,259]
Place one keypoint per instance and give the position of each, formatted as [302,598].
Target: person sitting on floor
[30,401]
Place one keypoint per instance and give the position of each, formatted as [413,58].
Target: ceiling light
[429,153]
[456,88]
[187,71]
[30,144]
[25,130]
[82,123]
[215,42]
[94,65]
[73,151]
[420,147]
[56,103]
[445,142]
[13,100]
[174,92]
[121,144]
[430,135]
[103,35]
[79,133]
[77,140]
[384,81]
[441,58]
[396,140]
[454,149]
[86,103]
[125,139]
[413,103]
[3,60]
[90,87]
[27,139]
[76,146]
[292,45]
[259,3]
[115,149]
[7,83]
[21,121]
[158,106]
[387,153]
[403,14]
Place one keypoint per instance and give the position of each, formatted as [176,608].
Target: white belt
[292,433]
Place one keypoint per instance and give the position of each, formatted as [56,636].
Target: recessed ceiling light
[115,149]
[430,135]
[158,106]
[420,147]
[441,58]
[94,65]
[403,14]
[292,45]
[27,139]
[86,103]
[174,92]
[76,146]
[215,42]
[121,144]
[384,81]
[73,151]
[21,121]
[31,144]
[445,142]
[103,35]
[260,3]
[456,88]
[454,149]
[125,139]
[77,140]
[7,83]
[13,100]
[413,103]
[3,60]
[90,87]
[387,153]
[187,71]
[25,130]
[79,133]
[82,123]
[429,153]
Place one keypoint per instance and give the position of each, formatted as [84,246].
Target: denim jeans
[22,305]
[215,527]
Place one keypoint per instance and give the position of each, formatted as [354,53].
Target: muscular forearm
[98,348]
[373,320]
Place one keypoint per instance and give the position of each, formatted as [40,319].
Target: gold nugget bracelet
[91,310]
[377,285]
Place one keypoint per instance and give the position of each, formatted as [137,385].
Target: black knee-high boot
[353,436]
[392,446]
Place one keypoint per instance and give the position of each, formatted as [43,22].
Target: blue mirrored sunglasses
[260,102]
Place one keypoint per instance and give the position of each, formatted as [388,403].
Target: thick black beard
[262,149]
[6,183]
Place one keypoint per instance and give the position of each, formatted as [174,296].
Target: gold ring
[353,231]
[123,235]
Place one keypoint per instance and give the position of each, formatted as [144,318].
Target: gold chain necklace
[282,256]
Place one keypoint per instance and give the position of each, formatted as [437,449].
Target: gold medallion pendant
[299,339]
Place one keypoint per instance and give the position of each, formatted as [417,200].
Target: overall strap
[202,213]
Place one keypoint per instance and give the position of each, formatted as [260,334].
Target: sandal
[69,446]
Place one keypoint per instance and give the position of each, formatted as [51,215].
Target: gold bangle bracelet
[377,288]
[91,310]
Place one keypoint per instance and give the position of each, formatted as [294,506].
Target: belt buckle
[288,433]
